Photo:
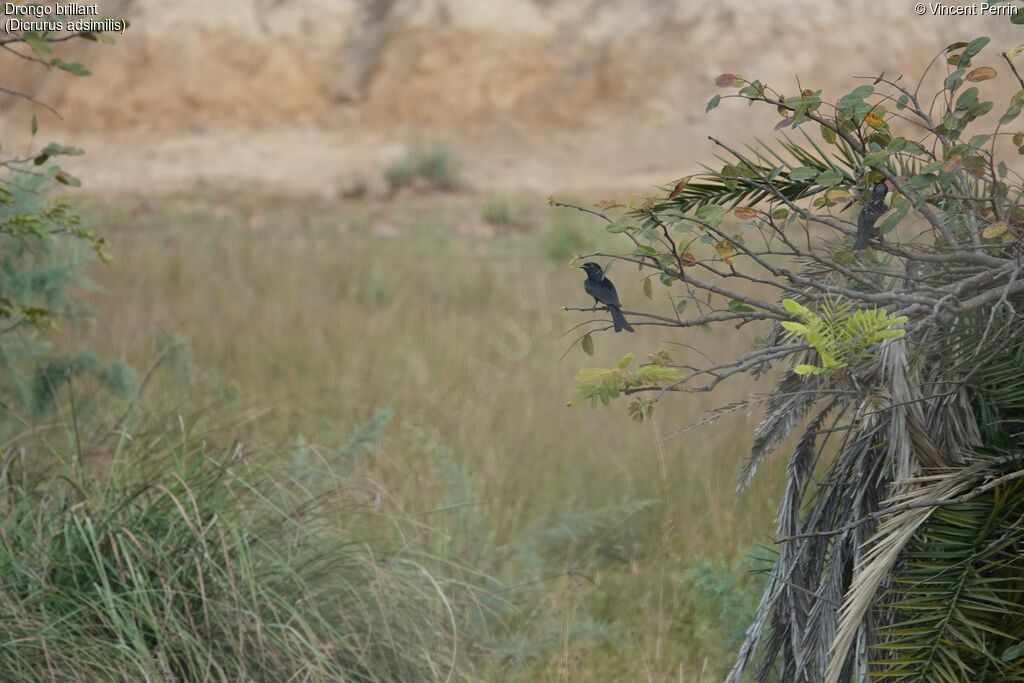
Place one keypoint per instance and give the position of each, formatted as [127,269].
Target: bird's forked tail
[619,320]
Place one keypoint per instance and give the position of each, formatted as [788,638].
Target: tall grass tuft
[185,562]
[503,210]
[433,166]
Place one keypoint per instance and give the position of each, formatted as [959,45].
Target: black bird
[869,214]
[603,291]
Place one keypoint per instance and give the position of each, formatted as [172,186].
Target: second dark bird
[603,291]
[869,215]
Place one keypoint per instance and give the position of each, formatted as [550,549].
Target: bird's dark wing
[603,291]
[613,296]
[866,225]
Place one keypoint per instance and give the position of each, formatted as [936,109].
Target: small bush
[729,591]
[505,211]
[434,166]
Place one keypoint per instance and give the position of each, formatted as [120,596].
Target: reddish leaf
[680,186]
[982,73]
[728,81]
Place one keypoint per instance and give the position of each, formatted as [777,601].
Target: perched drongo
[603,291]
[869,214]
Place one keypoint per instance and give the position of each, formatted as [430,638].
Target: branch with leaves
[28,215]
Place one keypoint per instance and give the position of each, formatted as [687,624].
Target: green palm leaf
[958,598]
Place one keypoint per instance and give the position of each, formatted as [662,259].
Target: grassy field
[610,553]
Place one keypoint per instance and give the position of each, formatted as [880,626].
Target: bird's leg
[596,302]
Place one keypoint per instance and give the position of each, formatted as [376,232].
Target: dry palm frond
[786,408]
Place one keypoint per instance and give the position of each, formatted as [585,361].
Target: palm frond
[896,541]
[958,597]
[743,182]
[788,405]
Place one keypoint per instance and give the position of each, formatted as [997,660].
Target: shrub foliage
[42,249]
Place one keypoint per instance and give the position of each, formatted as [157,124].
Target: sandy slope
[543,93]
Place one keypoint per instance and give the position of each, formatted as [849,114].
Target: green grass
[585,523]
[164,556]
